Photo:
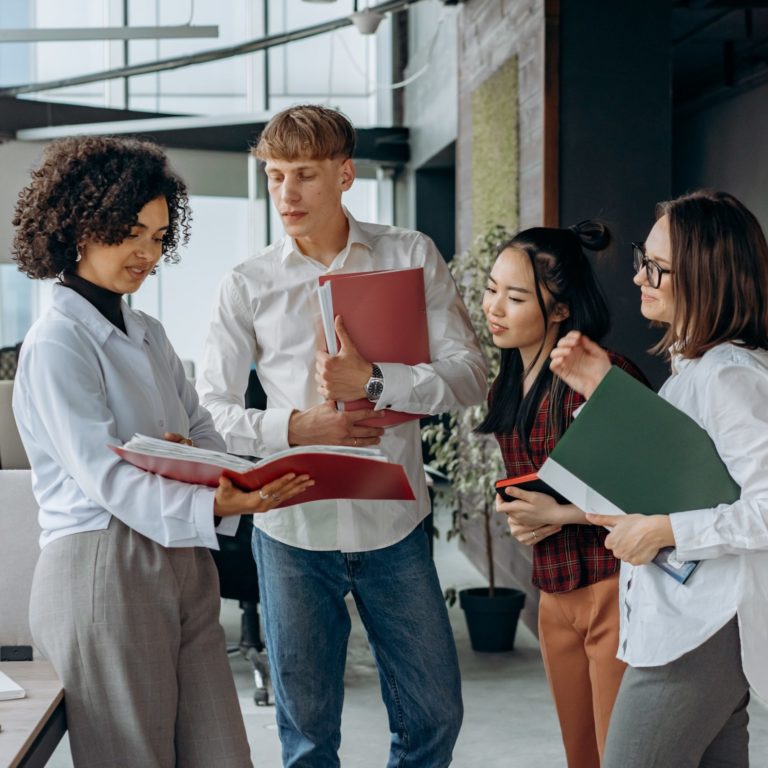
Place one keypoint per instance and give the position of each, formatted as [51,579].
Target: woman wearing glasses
[541,286]
[694,650]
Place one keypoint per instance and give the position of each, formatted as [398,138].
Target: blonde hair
[306,131]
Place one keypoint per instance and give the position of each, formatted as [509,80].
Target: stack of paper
[9,689]
[339,472]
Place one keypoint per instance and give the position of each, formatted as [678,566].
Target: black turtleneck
[106,301]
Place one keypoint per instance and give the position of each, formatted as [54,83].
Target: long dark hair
[560,265]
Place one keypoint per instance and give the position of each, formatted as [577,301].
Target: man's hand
[342,377]
[324,425]
[636,539]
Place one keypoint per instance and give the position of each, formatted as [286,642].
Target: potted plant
[472,463]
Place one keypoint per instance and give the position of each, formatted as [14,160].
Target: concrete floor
[509,719]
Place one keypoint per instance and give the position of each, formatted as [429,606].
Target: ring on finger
[533,535]
[263,495]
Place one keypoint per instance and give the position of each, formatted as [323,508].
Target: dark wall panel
[616,142]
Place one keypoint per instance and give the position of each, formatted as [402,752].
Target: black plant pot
[492,621]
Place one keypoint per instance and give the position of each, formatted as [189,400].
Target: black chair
[239,579]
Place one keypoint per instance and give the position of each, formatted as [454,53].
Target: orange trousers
[579,637]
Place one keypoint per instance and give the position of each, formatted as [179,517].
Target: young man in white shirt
[310,556]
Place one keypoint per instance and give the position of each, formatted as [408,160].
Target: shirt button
[388,405]
[161,423]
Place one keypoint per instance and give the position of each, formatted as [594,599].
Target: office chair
[239,579]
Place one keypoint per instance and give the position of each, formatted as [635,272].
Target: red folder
[385,314]
[336,476]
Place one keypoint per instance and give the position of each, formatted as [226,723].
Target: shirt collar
[77,307]
[357,235]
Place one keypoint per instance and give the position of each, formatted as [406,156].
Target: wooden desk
[32,726]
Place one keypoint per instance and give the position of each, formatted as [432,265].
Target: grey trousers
[690,713]
[132,628]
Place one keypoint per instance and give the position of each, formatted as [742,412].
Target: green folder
[631,451]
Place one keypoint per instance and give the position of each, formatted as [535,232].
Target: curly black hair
[92,188]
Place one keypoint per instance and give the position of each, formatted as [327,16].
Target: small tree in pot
[472,462]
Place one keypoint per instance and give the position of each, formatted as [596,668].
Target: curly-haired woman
[125,595]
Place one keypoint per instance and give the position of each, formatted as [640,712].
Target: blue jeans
[307,626]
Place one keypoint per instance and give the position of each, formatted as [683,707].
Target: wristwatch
[375,385]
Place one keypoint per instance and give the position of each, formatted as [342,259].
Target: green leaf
[471,462]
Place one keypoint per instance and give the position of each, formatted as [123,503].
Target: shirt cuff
[398,384]
[274,429]
[228,525]
[202,511]
[687,528]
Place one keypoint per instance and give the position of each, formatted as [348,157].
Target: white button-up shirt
[83,384]
[725,392]
[268,312]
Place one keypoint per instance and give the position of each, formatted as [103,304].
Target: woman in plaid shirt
[541,287]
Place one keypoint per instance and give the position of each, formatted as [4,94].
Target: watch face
[374,388]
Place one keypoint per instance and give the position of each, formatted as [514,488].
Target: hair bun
[592,234]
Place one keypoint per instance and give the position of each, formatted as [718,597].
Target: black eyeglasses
[653,271]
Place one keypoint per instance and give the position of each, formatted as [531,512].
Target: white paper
[9,689]
[576,491]
[153,446]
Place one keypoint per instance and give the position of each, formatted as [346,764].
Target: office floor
[509,719]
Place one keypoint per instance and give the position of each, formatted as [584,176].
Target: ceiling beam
[61,34]
[216,54]
[388,146]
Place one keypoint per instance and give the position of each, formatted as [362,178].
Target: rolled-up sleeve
[737,421]
[457,375]
[66,424]
[229,349]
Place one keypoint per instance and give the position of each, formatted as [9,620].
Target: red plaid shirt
[575,556]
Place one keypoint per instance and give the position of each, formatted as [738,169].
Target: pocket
[99,576]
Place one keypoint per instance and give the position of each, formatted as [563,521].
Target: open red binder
[336,475]
[385,314]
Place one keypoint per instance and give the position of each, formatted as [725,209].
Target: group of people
[644,672]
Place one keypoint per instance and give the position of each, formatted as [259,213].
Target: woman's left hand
[636,539]
[532,534]
[175,437]
[531,509]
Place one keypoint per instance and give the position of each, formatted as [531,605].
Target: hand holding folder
[531,482]
[339,473]
[630,451]
[385,315]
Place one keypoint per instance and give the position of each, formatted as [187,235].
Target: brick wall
[489,33]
